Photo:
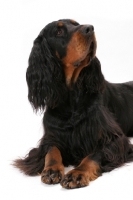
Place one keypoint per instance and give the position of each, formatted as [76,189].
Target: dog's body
[118,98]
[87,119]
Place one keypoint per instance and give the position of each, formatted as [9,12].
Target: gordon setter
[87,120]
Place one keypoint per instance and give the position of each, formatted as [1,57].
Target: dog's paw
[52,174]
[75,179]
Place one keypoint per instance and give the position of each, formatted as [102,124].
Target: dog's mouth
[91,53]
[86,59]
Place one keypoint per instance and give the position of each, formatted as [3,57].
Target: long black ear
[94,79]
[44,76]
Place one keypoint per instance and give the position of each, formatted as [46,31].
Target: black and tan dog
[86,119]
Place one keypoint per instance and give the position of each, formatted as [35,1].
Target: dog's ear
[45,77]
[94,81]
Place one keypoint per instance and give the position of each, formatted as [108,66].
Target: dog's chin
[87,58]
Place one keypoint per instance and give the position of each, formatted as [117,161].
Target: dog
[87,120]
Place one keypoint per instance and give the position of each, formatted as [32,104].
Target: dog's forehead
[59,23]
[68,21]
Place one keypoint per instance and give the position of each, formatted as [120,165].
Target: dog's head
[62,49]
[73,44]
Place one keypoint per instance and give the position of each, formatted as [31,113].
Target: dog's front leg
[85,172]
[53,169]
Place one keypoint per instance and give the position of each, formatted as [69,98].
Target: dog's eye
[59,32]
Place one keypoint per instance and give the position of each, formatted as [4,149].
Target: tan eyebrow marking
[60,24]
[72,21]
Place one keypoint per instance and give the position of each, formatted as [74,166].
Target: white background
[20,128]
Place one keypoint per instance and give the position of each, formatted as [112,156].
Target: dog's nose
[88,29]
